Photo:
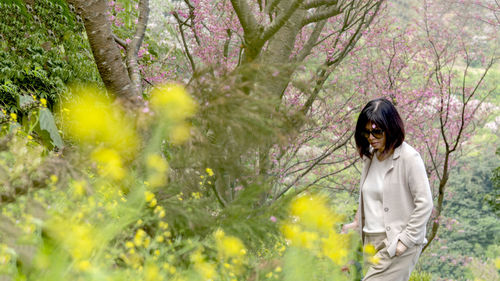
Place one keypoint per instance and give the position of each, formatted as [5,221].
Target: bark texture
[106,53]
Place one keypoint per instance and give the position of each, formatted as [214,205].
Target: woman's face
[375,136]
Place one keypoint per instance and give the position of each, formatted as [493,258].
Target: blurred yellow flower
[152,273]
[173,101]
[180,133]
[209,172]
[229,246]
[156,162]
[157,167]
[163,225]
[149,196]
[13,116]
[313,212]
[205,269]
[160,211]
[139,237]
[370,249]
[80,240]
[94,119]
[335,247]
[109,163]
[43,102]
[53,179]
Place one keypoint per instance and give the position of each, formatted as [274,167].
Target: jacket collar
[395,154]
[397,151]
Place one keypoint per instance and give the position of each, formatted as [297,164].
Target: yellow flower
[157,170]
[110,163]
[152,273]
[79,188]
[156,162]
[163,225]
[173,101]
[139,237]
[53,179]
[180,133]
[209,172]
[94,119]
[335,247]
[153,203]
[149,196]
[83,265]
[205,269]
[43,102]
[313,212]
[80,240]
[13,116]
[159,211]
[229,246]
[370,249]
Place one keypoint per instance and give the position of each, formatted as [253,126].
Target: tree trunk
[106,53]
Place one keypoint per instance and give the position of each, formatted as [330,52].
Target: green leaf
[47,124]
[24,101]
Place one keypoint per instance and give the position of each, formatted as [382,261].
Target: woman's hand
[346,227]
[400,248]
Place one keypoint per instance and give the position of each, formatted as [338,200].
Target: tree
[124,82]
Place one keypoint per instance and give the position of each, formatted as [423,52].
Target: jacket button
[388,228]
[386,209]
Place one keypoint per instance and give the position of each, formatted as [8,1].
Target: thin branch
[434,164]
[120,41]
[311,42]
[317,3]
[271,5]
[329,175]
[186,48]
[311,167]
[319,16]
[135,44]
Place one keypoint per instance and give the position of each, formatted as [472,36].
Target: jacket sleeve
[414,233]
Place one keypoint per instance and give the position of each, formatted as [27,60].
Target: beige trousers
[397,268]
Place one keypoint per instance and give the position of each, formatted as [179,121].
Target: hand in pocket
[400,248]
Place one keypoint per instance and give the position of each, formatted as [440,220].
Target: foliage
[43,48]
[470,225]
[494,198]
[123,213]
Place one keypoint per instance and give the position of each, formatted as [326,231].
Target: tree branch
[106,54]
[186,48]
[135,45]
[245,16]
[317,3]
[312,166]
[271,5]
[120,41]
[311,42]
[321,15]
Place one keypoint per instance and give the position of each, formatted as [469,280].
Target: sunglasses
[376,133]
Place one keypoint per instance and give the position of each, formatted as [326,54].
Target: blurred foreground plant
[130,210]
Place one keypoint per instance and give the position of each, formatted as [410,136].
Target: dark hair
[382,113]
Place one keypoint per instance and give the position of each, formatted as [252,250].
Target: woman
[395,199]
